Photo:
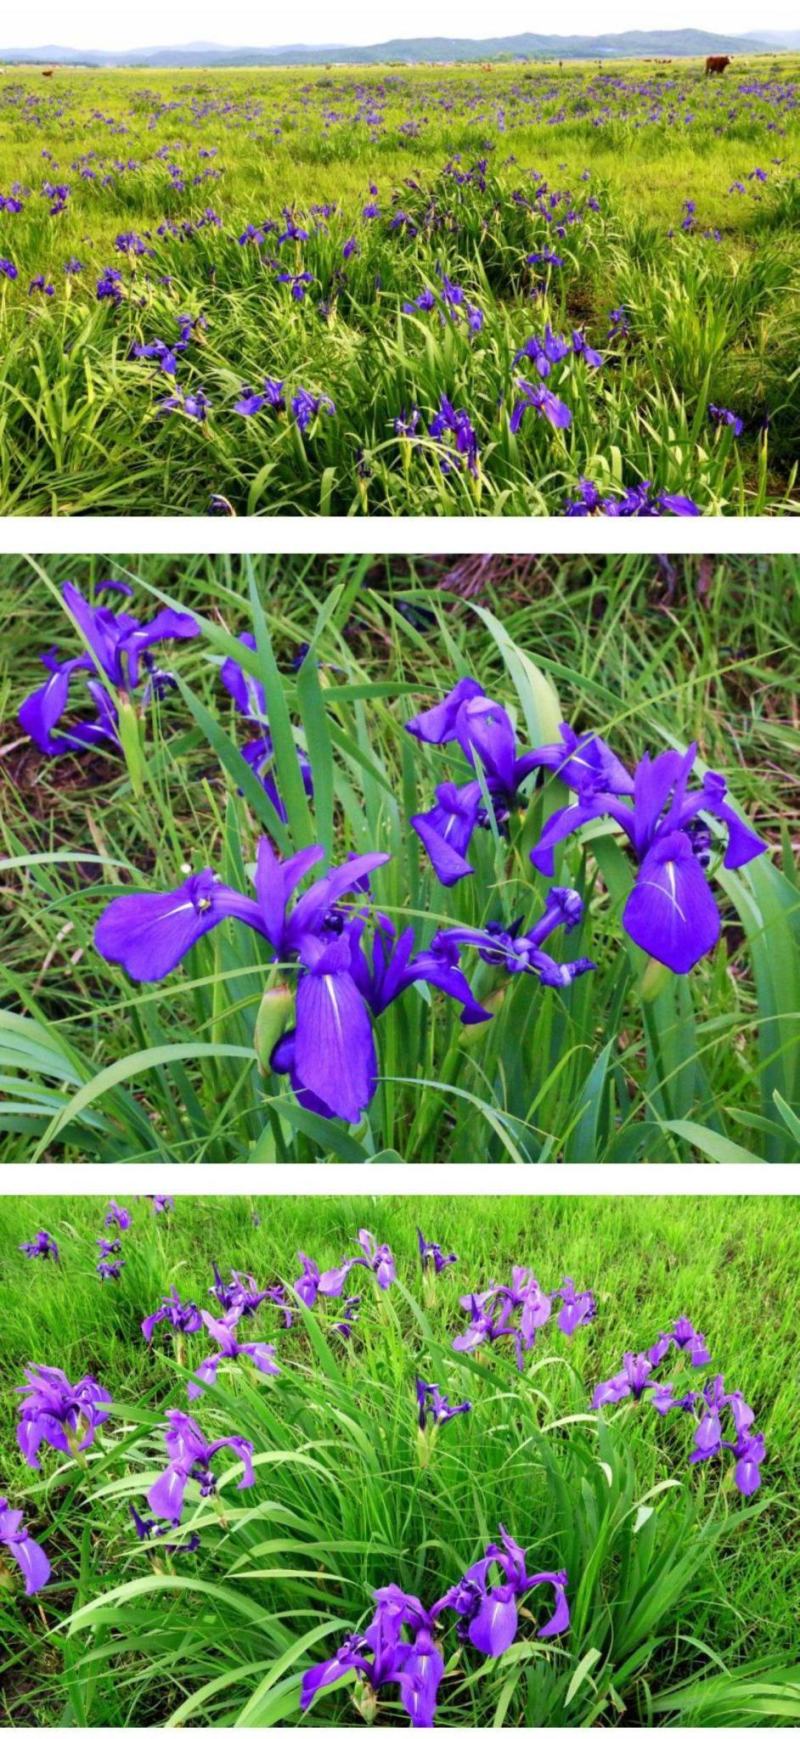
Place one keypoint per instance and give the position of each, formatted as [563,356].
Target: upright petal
[438,723]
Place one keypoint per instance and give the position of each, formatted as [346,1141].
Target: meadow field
[293,867]
[680,1579]
[517,289]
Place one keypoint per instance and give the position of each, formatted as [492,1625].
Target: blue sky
[87,24]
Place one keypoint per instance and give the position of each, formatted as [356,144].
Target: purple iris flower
[432,1255]
[629,1383]
[670,912]
[108,1246]
[312,1284]
[120,645]
[434,1407]
[251,402]
[193,404]
[307,405]
[148,1530]
[455,423]
[8,269]
[162,1204]
[485,735]
[577,1308]
[109,1270]
[747,1447]
[245,690]
[517,953]
[53,1410]
[487,1608]
[182,1316]
[239,1296]
[685,1338]
[42,1245]
[407,424]
[117,1216]
[190,1457]
[541,399]
[259,1354]
[718,414]
[248,694]
[382,1655]
[377,1258]
[330,1053]
[391,966]
[29,1557]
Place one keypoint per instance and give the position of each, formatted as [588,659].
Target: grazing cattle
[717,63]
[47,72]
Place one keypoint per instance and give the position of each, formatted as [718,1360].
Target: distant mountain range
[633,44]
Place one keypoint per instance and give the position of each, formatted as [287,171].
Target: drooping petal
[671,912]
[334,1052]
[565,821]
[148,934]
[494,1626]
[33,1562]
[41,711]
[319,1678]
[166,1495]
[204,1376]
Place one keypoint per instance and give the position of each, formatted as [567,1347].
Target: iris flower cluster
[400,1644]
[708,1407]
[111,1261]
[518,1310]
[119,649]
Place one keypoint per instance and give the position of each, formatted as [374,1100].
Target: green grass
[684,1596]
[713,312]
[96,1067]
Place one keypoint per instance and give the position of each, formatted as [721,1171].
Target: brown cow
[47,72]
[717,62]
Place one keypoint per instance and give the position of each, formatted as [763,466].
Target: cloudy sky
[86,24]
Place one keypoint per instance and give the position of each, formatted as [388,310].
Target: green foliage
[682,1595]
[713,311]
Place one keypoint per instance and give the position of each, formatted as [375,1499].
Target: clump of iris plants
[402,1643]
[709,1407]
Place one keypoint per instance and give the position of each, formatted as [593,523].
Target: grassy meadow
[683,1594]
[629,1063]
[282,226]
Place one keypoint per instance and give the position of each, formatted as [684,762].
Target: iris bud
[275,1014]
[653,980]
[129,729]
